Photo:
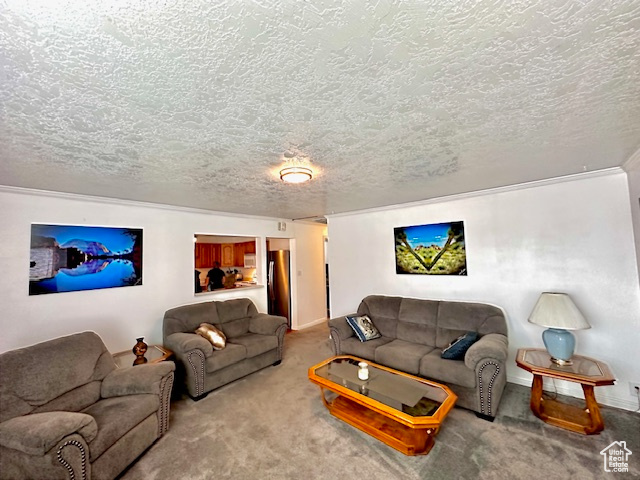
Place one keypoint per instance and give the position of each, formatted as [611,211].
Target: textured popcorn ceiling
[196,102]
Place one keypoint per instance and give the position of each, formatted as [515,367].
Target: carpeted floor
[273,425]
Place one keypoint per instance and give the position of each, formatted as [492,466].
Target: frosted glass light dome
[296,174]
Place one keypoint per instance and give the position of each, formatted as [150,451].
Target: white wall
[278,244]
[571,236]
[118,315]
[633,174]
[309,273]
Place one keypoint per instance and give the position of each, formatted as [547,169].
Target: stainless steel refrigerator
[278,286]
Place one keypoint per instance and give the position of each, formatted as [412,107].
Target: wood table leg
[324,399]
[536,396]
[597,424]
[551,409]
[586,421]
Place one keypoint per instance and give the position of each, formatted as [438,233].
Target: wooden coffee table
[586,371]
[401,410]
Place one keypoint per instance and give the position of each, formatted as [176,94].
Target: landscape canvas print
[433,249]
[67,258]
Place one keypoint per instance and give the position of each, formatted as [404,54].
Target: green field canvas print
[433,249]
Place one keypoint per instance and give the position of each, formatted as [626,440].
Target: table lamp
[559,314]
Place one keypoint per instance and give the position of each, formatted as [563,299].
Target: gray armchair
[67,411]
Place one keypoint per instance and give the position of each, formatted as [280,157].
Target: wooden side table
[154,354]
[586,371]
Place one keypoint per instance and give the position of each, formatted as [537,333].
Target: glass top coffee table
[401,410]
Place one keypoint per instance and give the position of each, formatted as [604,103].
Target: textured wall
[194,102]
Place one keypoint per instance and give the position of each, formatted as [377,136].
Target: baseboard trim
[573,390]
[311,324]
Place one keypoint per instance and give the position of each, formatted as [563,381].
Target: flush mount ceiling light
[296,174]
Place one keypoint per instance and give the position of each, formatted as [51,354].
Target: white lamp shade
[557,310]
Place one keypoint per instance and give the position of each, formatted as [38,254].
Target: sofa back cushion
[417,321]
[383,312]
[456,318]
[431,322]
[233,316]
[60,374]
[187,318]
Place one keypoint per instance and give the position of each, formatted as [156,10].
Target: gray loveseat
[67,411]
[413,334]
[254,341]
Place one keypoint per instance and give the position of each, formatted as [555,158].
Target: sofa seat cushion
[116,416]
[439,369]
[402,355]
[366,350]
[219,359]
[256,344]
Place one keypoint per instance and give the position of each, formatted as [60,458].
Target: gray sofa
[67,411]
[254,341]
[413,334]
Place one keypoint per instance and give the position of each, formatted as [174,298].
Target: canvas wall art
[433,249]
[67,258]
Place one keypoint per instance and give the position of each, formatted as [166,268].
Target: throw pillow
[457,348]
[363,327]
[211,333]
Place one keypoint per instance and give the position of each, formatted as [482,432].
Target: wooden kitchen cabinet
[238,251]
[249,247]
[228,257]
[204,255]
[207,254]
[227,254]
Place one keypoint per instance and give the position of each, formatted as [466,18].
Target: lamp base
[560,344]
[561,363]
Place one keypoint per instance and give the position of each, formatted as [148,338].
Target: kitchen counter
[237,286]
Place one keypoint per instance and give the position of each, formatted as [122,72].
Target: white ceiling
[195,102]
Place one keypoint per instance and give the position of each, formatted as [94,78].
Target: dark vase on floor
[139,349]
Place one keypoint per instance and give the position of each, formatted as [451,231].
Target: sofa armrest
[491,346]
[136,380]
[339,330]
[265,324]
[181,343]
[192,351]
[37,433]
[340,327]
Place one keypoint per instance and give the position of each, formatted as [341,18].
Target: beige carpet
[273,425]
